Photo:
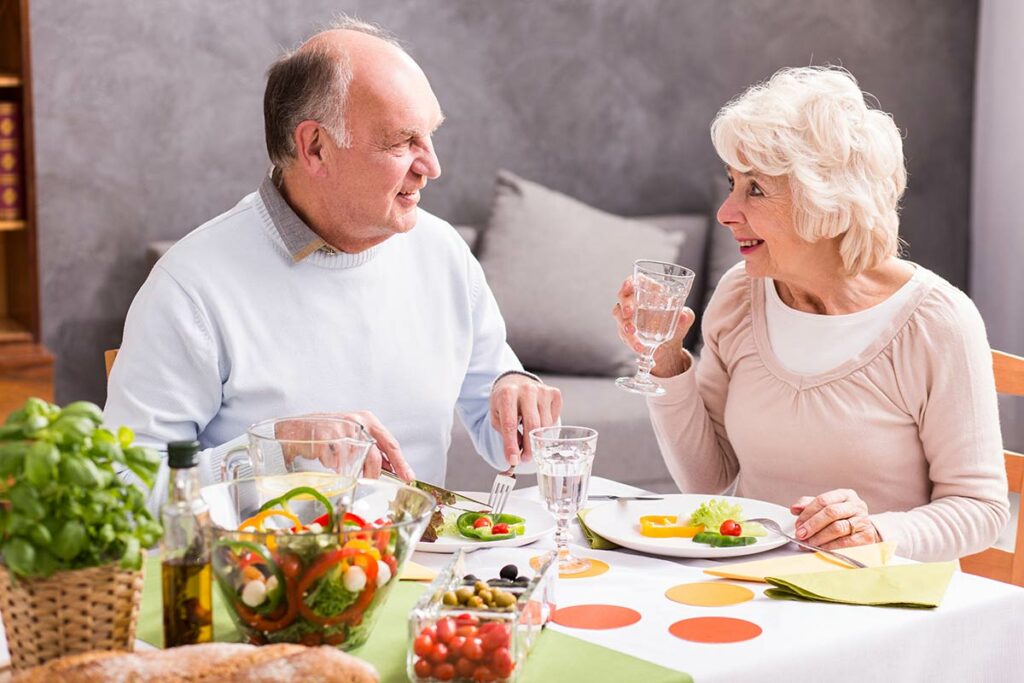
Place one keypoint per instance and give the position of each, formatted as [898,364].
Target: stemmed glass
[660,290]
[564,456]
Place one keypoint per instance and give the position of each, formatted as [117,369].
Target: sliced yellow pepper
[667,526]
[258,519]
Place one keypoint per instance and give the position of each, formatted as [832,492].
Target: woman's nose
[729,212]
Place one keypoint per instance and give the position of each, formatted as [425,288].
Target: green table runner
[556,656]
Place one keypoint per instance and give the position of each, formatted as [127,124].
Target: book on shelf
[10,154]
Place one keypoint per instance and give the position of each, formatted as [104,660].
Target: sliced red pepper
[324,521]
[383,539]
[266,624]
[321,567]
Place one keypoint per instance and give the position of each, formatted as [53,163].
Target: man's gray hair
[311,84]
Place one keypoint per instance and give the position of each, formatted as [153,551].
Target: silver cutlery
[773,526]
[610,497]
[503,484]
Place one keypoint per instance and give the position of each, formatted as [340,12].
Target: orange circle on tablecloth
[596,617]
[597,567]
[709,594]
[715,630]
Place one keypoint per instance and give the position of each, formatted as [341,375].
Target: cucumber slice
[719,541]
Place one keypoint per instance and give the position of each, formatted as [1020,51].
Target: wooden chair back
[996,563]
[108,358]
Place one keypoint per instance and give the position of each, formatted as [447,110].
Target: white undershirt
[810,344]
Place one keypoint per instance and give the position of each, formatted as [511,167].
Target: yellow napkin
[414,571]
[901,585]
[874,555]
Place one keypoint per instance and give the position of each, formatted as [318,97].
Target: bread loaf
[221,662]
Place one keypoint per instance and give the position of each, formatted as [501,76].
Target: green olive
[450,598]
[480,586]
[504,599]
[486,595]
[463,594]
[475,601]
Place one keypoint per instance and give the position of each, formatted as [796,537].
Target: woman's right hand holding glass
[669,358]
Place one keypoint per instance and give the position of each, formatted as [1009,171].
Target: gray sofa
[554,265]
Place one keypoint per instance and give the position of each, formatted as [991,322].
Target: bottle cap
[183,454]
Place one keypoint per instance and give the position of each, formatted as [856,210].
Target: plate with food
[690,525]
[451,528]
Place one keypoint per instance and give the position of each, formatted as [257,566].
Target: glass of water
[564,456]
[660,290]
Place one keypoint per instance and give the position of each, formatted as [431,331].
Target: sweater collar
[298,238]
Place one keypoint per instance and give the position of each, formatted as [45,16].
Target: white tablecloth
[977,634]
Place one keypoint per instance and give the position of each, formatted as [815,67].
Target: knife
[608,497]
[443,495]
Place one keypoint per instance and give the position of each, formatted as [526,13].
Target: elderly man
[328,289]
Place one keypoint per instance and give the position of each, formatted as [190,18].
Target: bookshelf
[24,362]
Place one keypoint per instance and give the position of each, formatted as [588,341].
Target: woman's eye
[732,183]
[755,190]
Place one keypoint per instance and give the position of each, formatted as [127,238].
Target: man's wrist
[524,373]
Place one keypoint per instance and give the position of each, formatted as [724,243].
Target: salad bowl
[301,564]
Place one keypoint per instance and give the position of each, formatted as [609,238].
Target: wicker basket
[70,612]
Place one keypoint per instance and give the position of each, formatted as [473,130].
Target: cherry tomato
[466,618]
[422,668]
[466,631]
[730,528]
[483,674]
[481,522]
[473,649]
[501,662]
[455,646]
[493,638]
[444,672]
[464,667]
[500,528]
[423,644]
[445,629]
[438,653]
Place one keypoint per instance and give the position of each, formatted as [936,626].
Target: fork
[773,526]
[503,484]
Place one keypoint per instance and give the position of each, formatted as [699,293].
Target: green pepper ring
[258,550]
[282,501]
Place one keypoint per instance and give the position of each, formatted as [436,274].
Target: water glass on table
[564,456]
[660,290]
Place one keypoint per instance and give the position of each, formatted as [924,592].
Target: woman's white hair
[843,159]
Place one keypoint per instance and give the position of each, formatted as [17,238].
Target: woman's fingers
[829,516]
[622,311]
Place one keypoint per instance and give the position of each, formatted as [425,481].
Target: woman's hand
[669,359]
[835,519]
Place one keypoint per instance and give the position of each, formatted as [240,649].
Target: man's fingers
[531,420]
[505,419]
[387,448]
[372,464]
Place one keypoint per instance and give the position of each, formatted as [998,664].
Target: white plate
[619,522]
[539,523]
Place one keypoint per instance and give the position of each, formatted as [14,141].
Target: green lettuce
[713,512]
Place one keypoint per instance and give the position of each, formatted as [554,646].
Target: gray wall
[148,116]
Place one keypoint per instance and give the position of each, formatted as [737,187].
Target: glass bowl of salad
[311,562]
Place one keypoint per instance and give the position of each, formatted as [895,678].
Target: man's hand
[384,453]
[516,398]
[835,519]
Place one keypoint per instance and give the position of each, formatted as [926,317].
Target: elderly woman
[836,378]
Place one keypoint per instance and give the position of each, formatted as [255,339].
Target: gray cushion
[555,265]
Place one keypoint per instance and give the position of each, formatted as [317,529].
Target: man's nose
[427,164]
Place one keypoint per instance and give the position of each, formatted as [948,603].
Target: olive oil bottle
[186,575]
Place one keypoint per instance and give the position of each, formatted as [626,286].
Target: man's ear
[310,147]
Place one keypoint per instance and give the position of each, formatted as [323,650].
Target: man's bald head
[312,82]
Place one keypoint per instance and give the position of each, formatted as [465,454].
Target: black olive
[522,581]
[509,572]
[470,578]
